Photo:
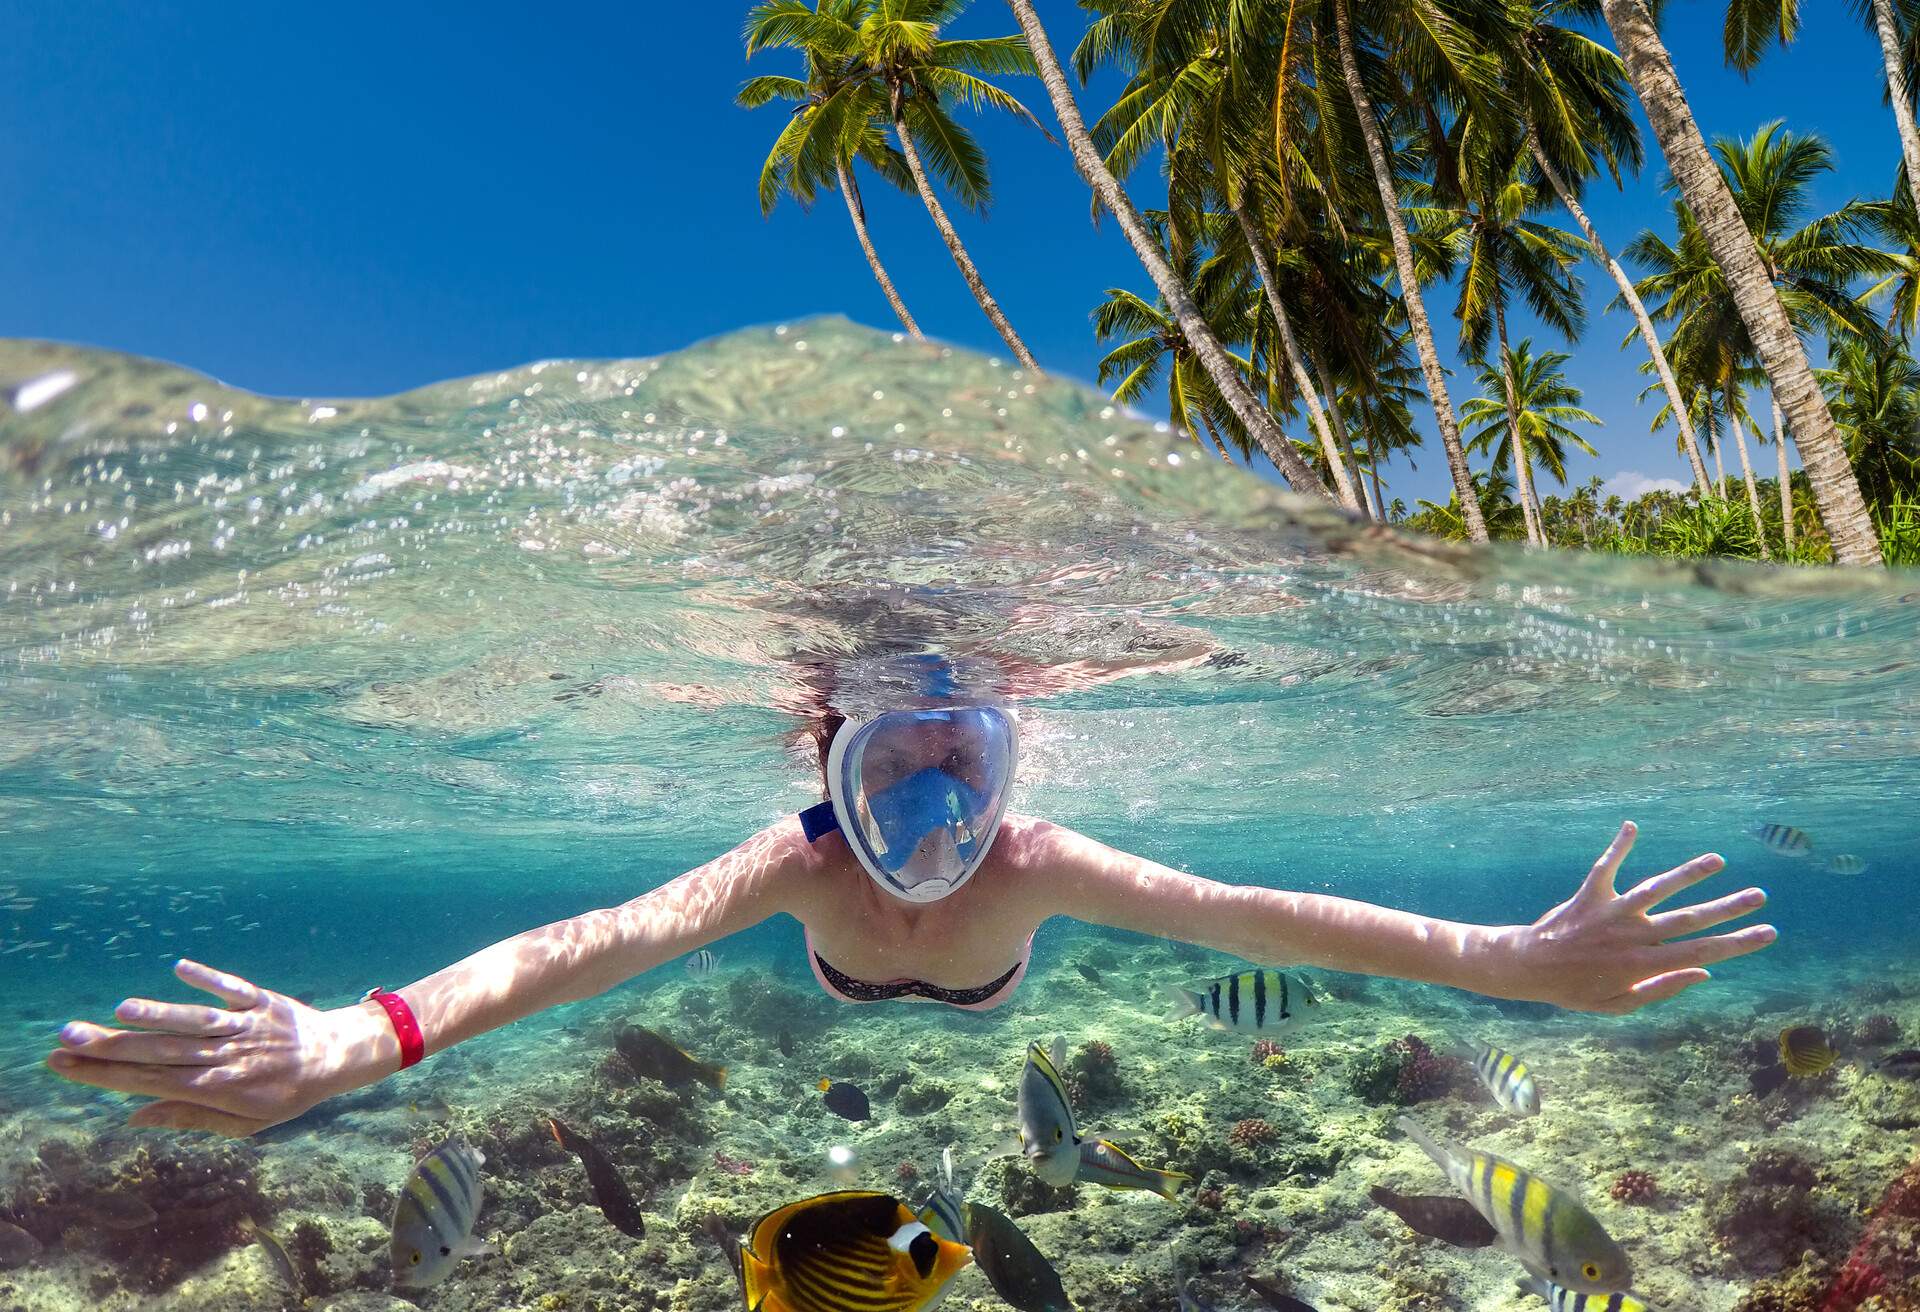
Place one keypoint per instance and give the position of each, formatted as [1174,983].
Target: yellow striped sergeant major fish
[1251,1002]
[849,1251]
[1542,1226]
[1565,1300]
[433,1221]
[1507,1079]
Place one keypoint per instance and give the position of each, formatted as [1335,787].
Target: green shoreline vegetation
[1330,169]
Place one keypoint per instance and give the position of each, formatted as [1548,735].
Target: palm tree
[1467,504]
[1822,450]
[1107,190]
[1574,110]
[1506,254]
[1544,407]
[1491,494]
[1880,16]
[1810,267]
[1875,393]
[1189,97]
[835,122]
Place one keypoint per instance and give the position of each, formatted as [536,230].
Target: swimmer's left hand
[1603,950]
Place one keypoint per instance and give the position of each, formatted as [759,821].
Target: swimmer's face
[935,744]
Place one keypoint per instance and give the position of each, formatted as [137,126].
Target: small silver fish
[945,1211]
[1103,1164]
[1047,1137]
[1251,1002]
[1507,1079]
[1846,863]
[1784,839]
[433,1221]
[702,964]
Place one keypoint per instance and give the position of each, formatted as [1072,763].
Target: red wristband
[413,1044]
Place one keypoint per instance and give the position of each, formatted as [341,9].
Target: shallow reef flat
[1725,1200]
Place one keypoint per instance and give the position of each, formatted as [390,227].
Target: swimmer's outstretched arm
[263,1057]
[1600,950]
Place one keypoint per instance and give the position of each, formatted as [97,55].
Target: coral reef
[1876,1030]
[1404,1072]
[1634,1187]
[1265,1050]
[1250,1133]
[1768,1215]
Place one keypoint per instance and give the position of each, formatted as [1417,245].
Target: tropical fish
[784,1042]
[610,1191]
[1446,1217]
[17,1247]
[1783,839]
[1018,1272]
[702,964]
[1508,1080]
[714,1227]
[1274,1298]
[847,1100]
[660,1058]
[276,1255]
[1103,1164]
[1805,1052]
[945,1211]
[1047,1137]
[433,1222]
[848,1250]
[1846,863]
[1089,974]
[1251,1002]
[1566,1300]
[1901,1065]
[1546,1228]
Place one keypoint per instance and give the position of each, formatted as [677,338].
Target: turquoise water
[329,693]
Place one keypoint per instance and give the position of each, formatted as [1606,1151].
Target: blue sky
[352,199]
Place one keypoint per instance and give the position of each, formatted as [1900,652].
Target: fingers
[1656,988]
[154,1081]
[1650,893]
[1691,920]
[175,1115]
[1708,951]
[1599,882]
[206,1022]
[237,993]
[103,1044]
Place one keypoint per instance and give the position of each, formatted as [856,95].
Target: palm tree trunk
[1719,465]
[1410,284]
[1517,443]
[1371,509]
[1648,337]
[1889,33]
[1379,497]
[1786,478]
[850,190]
[1110,194]
[1256,243]
[975,283]
[1753,493]
[1822,453]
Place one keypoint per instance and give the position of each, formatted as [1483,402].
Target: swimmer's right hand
[260,1059]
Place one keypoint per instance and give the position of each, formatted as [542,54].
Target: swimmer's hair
[821,728]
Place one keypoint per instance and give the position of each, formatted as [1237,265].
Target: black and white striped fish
[1251,1002]
[433,1222]
[701,964]
[1561,1299]
[1846,863]
[1507,1079]
[945,1211]
[1784,839]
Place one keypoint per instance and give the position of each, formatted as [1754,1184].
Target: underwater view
[327,695]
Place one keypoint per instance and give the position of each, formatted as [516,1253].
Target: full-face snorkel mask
[919,795]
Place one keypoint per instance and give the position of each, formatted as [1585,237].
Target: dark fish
[1447,1217]
[609,1190]
[118,1211]
[1901,1065]
[17,1247]
[1285,1302]
[1017,1270]
[715,1228]
[845,1100]
[1804,1050]
[1767,1080]
[785,1042]
[660,1058]
[1089,974]
[276,1254]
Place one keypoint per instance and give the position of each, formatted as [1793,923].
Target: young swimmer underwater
[913,883]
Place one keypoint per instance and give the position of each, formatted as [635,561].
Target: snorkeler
[912,882]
